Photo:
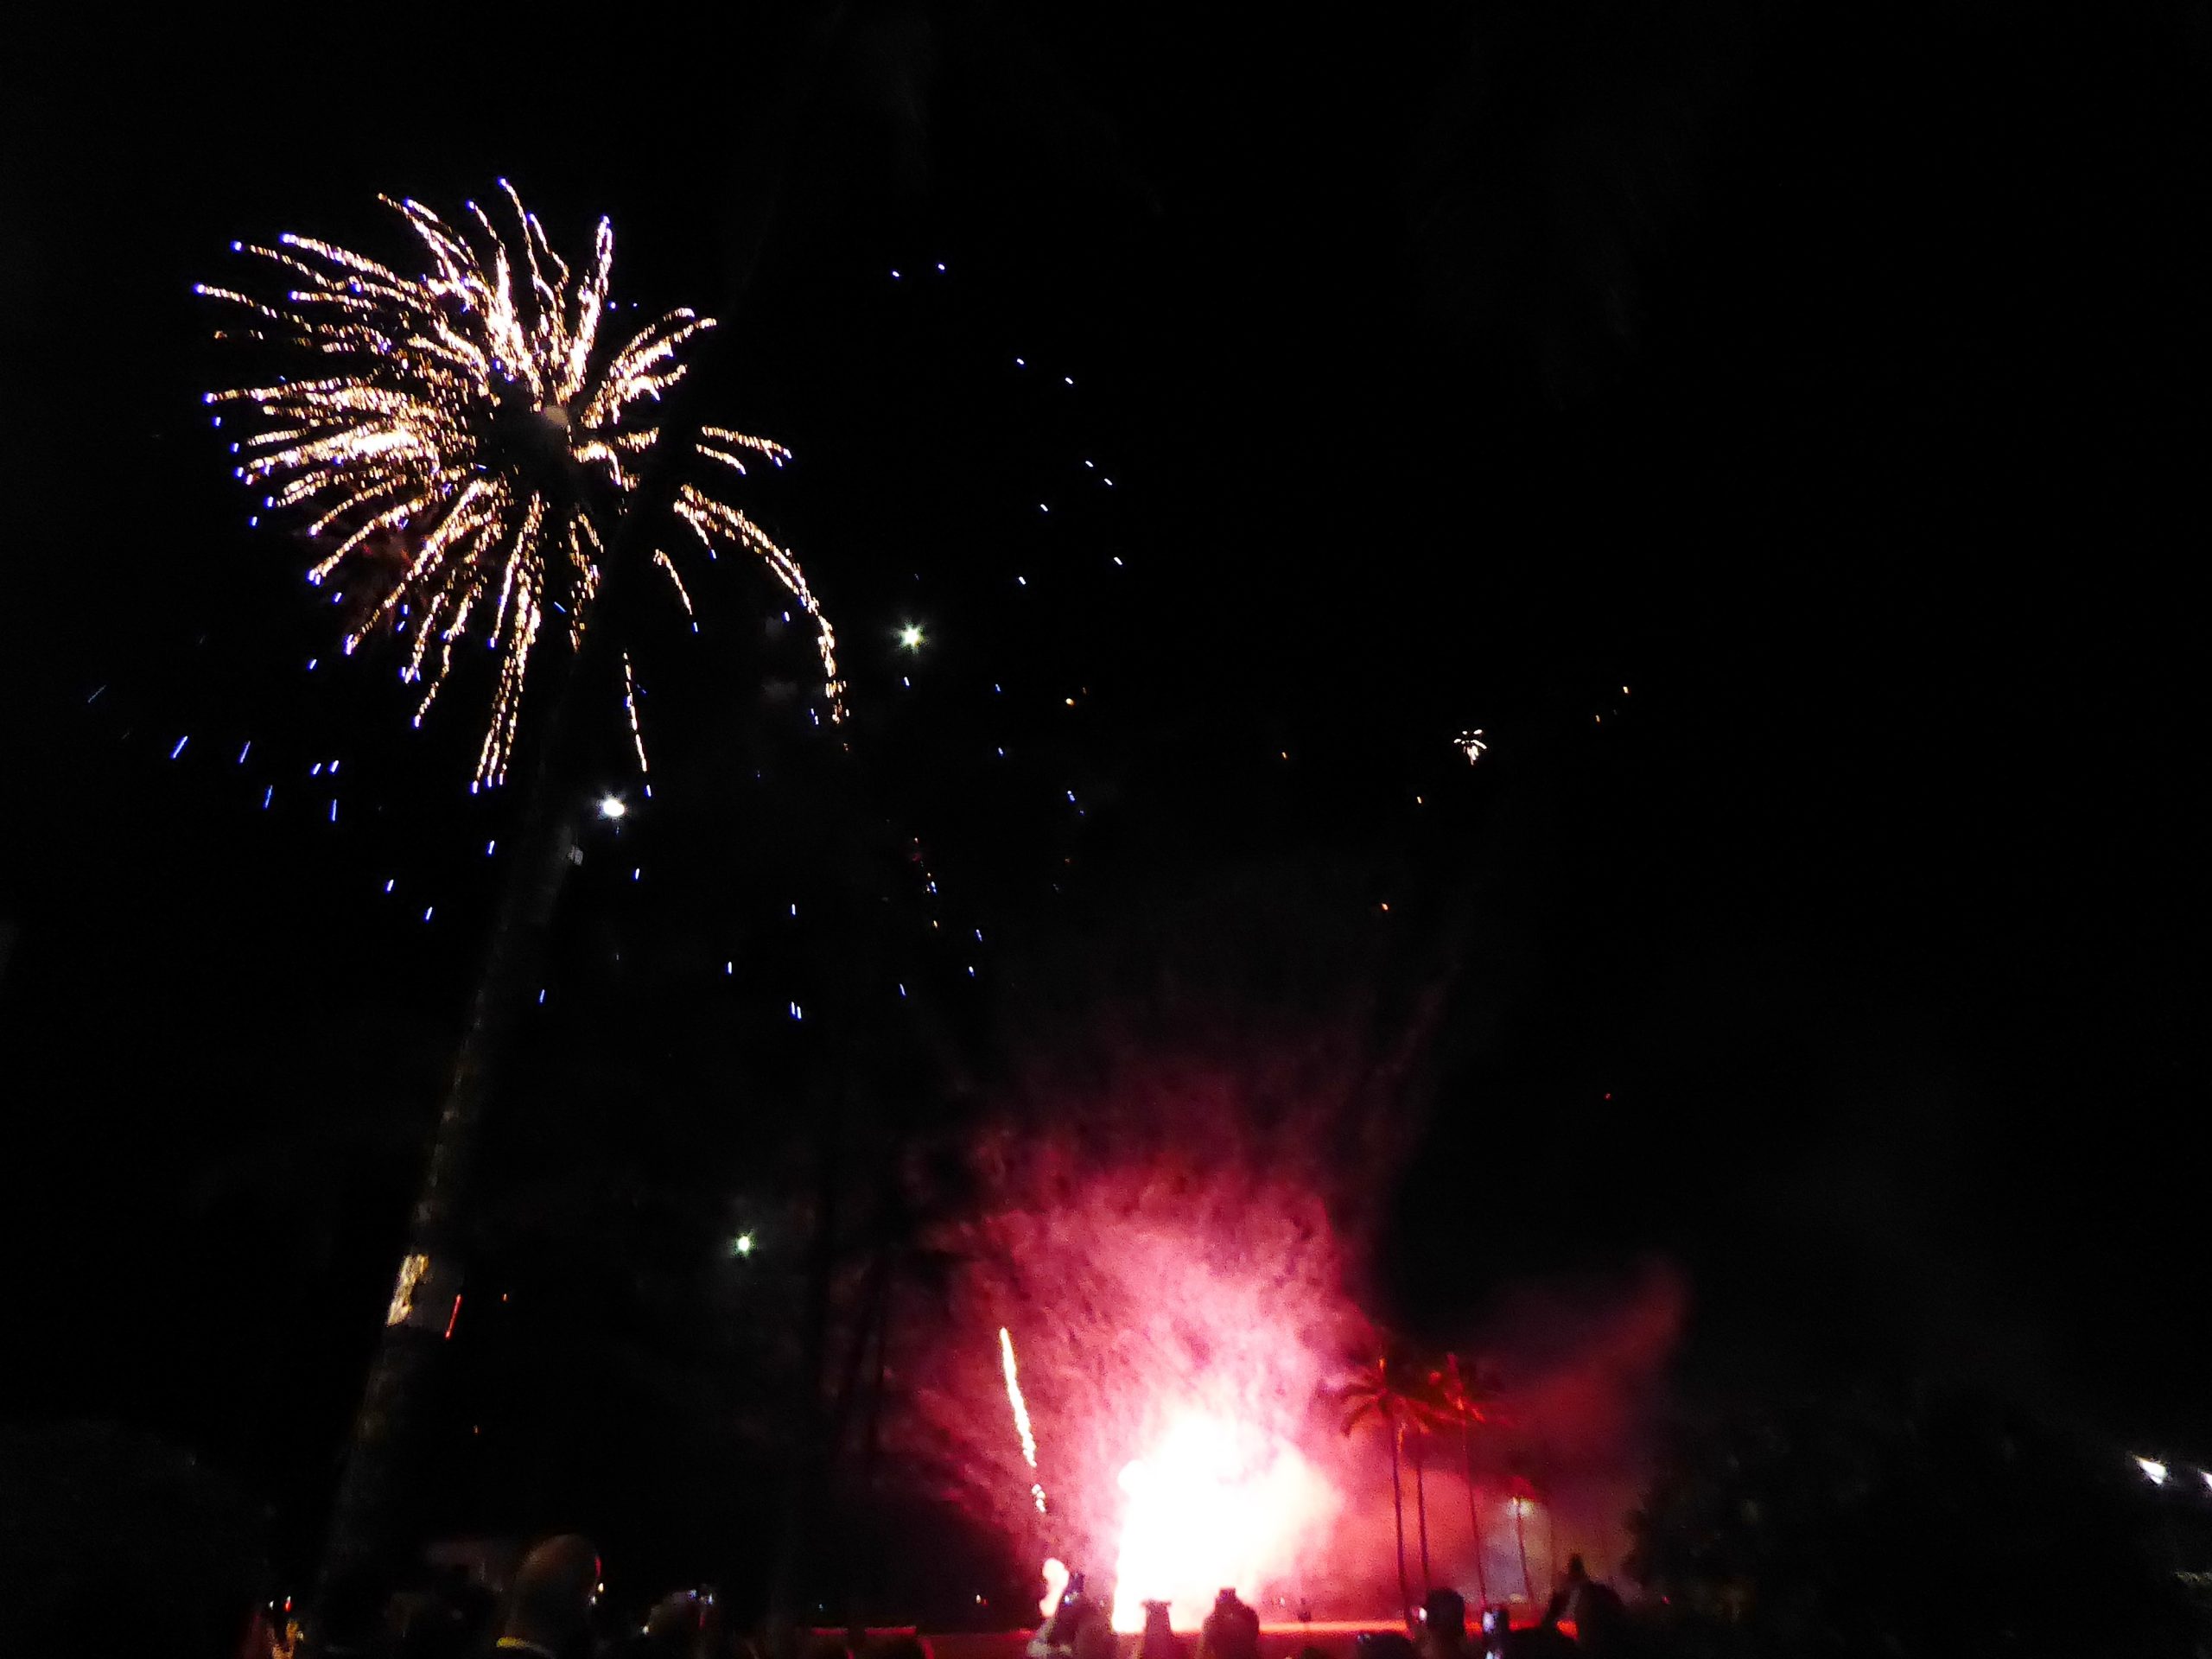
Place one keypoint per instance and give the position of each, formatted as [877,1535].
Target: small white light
[613,806]
[910,636]
[741,1245]
[2152,1470]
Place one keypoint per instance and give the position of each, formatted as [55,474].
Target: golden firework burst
[474,415]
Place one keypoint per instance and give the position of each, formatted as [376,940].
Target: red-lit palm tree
[1419,1427]
[1522,1493]
[1386,1391]
[1461,1396]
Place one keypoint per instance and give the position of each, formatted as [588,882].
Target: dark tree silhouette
[1461,1394]
[1384,1391]
[1916,1522]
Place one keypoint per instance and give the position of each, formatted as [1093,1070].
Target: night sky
[1783,439]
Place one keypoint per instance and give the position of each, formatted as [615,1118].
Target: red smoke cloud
[1172,1221]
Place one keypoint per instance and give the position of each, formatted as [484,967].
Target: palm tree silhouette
[1419,1425]
[1384,1391]
[1460,1396]
[1523,1498]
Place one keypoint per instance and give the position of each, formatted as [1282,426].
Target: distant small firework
[1471,744]
[475,422]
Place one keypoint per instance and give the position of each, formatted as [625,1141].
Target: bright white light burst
[468,442]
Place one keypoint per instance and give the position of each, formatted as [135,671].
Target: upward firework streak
[1020,1413]
[473,416]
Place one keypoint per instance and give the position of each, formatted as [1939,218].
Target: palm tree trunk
[1398,1515]
[387,1424]
[1521,1543]
[1474,1510]
[1421,1509]
[808,1454]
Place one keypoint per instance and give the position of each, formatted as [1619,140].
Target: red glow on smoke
[1179,1330]
[1170,1233]
[1217,1502]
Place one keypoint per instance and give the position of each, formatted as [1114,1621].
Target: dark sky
[1834,384]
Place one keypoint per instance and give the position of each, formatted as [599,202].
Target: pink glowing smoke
[1168,1224]
[1181,1329]
[1215,1502]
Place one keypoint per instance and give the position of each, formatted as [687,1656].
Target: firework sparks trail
[475,413]
[1020,1413]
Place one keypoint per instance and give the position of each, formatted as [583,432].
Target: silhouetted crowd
[552,1610]
[1584,1615]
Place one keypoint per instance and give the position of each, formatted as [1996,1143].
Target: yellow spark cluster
[473,415]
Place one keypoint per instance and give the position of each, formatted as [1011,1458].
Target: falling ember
[473,412]
[1021,1416]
